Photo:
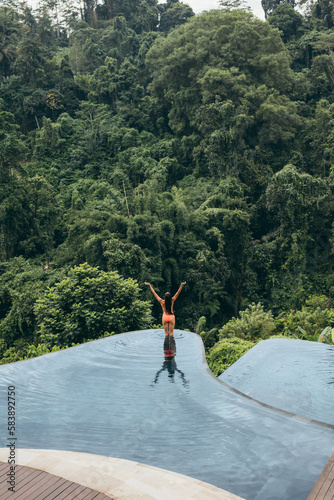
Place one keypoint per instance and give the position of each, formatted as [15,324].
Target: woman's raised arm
[159,299]
[179,291]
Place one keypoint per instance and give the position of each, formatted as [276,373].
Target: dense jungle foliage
[140,142]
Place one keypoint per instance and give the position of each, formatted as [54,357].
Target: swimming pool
[294,375]
[119,397]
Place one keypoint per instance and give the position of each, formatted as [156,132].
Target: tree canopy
[87,304]
[141,142]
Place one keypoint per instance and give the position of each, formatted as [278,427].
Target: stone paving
[117,478]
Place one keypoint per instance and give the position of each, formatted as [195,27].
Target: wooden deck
[34,484]
[324,487]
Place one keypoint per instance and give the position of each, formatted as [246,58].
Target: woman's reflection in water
[169,363]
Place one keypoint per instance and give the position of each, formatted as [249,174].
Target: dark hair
[168,302]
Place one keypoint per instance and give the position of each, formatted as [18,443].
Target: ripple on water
[120,397]
[294,375]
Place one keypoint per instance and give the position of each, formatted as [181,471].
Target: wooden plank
[29,483]
[53,490]
[82,495]
[101,496]
[36,491]
[86,495]
[71,491]
[18,474]
[3,466]
[33,489]
[5,494]
[23,473]
[326,484]
[317,487]
[34,484]
[23,478]
[323,484]
[330,491]
[91,496]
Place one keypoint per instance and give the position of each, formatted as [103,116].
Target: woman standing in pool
[168,317]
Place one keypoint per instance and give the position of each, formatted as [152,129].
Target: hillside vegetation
[139,142]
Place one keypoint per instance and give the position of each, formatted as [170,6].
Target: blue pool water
[119,397]
[294,375]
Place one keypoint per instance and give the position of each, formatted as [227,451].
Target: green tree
[223,76]
[299,205]
[320,139]
[88,304]
[269,6]
[9,33]
[14,208]
[12,146]
[287,20]
[174,14]
[47,140]
[323,10]
[298,201]
[21,283]
[44,213]
[31,60]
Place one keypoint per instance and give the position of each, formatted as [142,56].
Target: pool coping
[118,478]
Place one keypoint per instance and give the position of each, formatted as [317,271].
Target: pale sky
[200,5]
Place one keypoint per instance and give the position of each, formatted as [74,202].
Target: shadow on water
[169,364]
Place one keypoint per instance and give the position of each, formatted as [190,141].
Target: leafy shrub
[226,352]
[39,350]
[309,322]
[3,347]
[10,356]
[327,335]
[209,337]
[254,323]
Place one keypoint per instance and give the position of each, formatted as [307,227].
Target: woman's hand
[183,283]
[146,283]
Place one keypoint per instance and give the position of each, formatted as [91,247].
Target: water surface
[119,397]
[294,375]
